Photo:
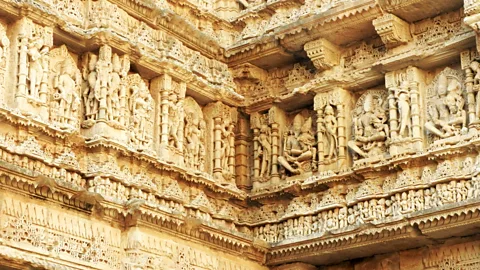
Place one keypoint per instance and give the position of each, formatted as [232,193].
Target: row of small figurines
[19,231]
[109,189]
[371,211]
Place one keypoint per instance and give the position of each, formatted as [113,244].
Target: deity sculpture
[227,137]
[403,103]
[104,92]
[37,65]
[66,86]
[90,88]
[298,149]
[329,129]
[446,114]
[141,106]
[265,151]
[195,135]
[175,113]
[475,68]
[370,128]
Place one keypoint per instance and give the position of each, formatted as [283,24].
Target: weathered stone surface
[239,134]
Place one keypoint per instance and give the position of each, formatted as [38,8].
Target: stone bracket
[392,30]
[323,53]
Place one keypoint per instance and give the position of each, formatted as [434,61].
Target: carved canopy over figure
[370,129]
[298,149]
[445,107]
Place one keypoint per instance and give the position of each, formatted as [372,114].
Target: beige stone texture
[240,134]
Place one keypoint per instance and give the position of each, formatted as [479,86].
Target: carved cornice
[393,30]
[323,53]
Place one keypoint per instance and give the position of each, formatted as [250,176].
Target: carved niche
[370,127]
[332,109]
[117,105]
[267,129]
[298,154]
[66,80]
[446,121]
[32,43]
[221,120]
[4,56]
[171,114]
[195,135]
[405,89]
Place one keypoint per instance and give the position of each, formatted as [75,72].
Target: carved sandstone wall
[239,134]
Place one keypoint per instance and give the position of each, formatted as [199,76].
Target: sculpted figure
[36,65]
[103,69]
[475,67]
[227,134]
[265,151]
[66,95]
[298,145]
[4,44]
[194,141]
[447,116]
[403,102]
[141,105]
[114,83]
[330,132]
[370,129]
[175,108]
[90,88]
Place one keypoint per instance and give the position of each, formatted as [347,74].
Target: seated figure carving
[299,151]
[370,128]
[446,113]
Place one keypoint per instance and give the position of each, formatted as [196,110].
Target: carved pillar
[342,136]
[413,76]
[162,86]
[256,158]
[217,148]
[231,157]
[181,99]
[241,155]
[165,88]
[320,145]
[21,95]
[467,57]
[470,95]
[275,148]
[393,115]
